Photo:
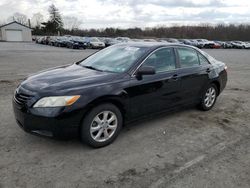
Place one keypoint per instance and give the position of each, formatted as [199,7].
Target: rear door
[193,71]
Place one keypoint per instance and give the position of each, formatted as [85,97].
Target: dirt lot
[188,148]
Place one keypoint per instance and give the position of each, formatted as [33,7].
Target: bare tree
[37,19]
[71,22]
[19,17]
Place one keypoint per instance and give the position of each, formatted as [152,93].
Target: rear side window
[203,60]
[188,57]
[162,60]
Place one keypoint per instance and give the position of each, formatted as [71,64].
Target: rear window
[188,57]
[203,60]
[210,58]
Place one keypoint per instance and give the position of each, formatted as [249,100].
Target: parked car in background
[110,41]
[228,44]
[46,40]
[172,40]
[221,43]
[247,45]
[204,43]
[217,45]
[137,40]
[101,39]
[240,45]
[185,41]
[34,38]
[123,39]
[76,42]
[52,40]
[39,40]
[149,40]
[237,44]
[94,43]
[161,40]
[94,97]
[61,41]
[193,42]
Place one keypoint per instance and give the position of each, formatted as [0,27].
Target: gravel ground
[187,148]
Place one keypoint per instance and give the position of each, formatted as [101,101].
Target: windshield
[94,40]
[62,38]
[173,40]
[114,59]
[112,40]
[76,38]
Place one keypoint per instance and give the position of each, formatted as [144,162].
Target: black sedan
[61,41]
[76,43]
[96,96]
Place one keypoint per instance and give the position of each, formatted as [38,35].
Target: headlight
[56,101]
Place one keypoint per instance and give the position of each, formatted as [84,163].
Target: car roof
[153,44]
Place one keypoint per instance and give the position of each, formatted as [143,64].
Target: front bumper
[82,45]
[62,125]
[98,46]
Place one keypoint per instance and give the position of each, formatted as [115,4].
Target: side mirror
[146,70]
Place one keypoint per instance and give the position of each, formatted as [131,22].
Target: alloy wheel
[103,126]
[210,97]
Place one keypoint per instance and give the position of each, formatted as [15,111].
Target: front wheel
[101,125]
[209,97]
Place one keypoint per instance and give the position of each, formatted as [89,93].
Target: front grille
[21,98]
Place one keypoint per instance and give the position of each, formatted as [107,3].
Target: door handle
[208,70]
[175,77]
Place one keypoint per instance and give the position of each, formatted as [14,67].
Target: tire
[209,97]
[107,132]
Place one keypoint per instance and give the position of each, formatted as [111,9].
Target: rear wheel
[101,125]
[209,97]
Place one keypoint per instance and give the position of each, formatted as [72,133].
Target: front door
[153,93]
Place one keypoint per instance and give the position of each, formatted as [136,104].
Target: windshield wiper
[90,67]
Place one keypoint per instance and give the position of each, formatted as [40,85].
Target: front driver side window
[162,60]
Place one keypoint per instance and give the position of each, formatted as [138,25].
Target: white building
[15,31]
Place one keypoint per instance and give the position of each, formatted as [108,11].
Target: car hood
[66,78]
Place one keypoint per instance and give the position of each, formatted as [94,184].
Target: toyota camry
[96,96]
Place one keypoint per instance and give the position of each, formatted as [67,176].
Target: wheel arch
[115,100]
[217,84]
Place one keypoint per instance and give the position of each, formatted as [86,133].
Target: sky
[135,13]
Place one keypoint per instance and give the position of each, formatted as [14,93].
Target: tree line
[218,32]
[56,24]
